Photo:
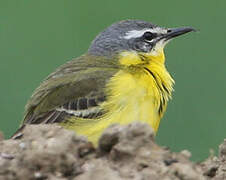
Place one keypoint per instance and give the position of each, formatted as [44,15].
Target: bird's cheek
[143,47]
[147,47]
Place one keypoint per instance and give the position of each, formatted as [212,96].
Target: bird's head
[134,39]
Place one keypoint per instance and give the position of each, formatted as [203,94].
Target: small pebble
[186,153]
[6,156]
[22,145]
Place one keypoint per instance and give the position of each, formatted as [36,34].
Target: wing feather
[75,89]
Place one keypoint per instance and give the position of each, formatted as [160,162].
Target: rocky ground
[129,152]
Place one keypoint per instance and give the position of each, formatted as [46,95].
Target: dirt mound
[124,152]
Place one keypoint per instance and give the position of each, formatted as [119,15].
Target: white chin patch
[159,46]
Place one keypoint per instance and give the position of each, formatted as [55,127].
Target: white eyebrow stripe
[139,33]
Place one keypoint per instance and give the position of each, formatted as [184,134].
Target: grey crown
[111,42]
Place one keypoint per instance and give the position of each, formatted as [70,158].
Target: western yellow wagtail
[122,78]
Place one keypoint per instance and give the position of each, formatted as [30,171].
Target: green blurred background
[36,36]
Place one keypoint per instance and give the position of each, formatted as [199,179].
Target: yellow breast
[133,97]
[140,91]
[137,92]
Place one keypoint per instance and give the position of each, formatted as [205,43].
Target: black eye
[148,36]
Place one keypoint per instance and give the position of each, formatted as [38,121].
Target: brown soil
[124,153]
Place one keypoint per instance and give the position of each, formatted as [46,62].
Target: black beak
[174,32]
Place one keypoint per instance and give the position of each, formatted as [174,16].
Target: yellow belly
[130,98]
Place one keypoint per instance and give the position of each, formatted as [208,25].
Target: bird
[122,78]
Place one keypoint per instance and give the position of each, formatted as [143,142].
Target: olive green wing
[75,89]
